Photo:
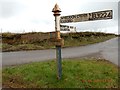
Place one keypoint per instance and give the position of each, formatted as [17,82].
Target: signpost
[55,36]
[56,10]
[101,15]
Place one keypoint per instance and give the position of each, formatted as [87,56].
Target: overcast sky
[36,15]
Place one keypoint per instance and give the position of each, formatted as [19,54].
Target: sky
[22,16]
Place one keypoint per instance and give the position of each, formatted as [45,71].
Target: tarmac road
[107,50]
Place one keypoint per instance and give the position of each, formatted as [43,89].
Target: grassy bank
[77,73]
[86,40]
[38,41]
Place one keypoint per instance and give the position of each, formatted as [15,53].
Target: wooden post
[56,10]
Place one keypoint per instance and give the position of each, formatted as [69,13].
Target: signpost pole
[56,10]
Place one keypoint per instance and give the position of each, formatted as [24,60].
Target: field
[77,73]
[38,41]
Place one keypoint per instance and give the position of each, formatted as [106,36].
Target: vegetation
[85,38]
[37,41]
[77,73]
[118,35]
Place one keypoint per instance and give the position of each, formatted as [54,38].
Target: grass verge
[77,73]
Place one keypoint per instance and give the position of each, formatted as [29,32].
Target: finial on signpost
[56,10]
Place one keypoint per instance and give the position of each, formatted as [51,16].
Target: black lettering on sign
[87,17]
[90,16]
[100,15]
[108,14]
[78,16]
[104,14]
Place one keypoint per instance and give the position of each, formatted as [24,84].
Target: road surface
[107,50]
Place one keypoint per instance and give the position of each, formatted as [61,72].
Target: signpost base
[58,57]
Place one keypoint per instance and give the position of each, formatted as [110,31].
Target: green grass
[77,73]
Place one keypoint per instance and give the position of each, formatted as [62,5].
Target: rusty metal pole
[56,10]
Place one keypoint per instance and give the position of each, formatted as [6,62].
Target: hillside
[38,40]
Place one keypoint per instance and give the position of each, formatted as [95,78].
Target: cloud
[28,15]
[10,8]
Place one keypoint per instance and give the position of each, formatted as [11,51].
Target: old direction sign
[67,28]
[100,15]
[108,14]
